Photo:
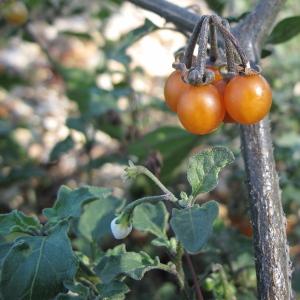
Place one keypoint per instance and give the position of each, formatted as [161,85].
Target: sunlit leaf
[204,167]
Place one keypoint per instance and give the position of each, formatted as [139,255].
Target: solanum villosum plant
[63,259]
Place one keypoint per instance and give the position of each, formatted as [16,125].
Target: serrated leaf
[70,202]
[285,30]
[94,223]
[204,167]
[132,264]
[36,266]
[193,226]
[151,218]
[61,148]
[16,221]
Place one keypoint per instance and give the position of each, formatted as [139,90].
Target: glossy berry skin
[220,85]
[200,109]
[174,88]
[248,99]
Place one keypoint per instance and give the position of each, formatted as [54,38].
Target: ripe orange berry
[174,88]
[220,85]
[200,109]
[248,99]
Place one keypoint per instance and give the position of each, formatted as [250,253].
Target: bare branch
[270,243]
[181,17]
[258,24]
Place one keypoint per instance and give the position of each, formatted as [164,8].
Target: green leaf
[235,19]
[216,5]
[130,38]
[61,148]
[36,266]
[80,35]
[204,168]
[172,143]
[94,222]
[4,249]
[79,292]
[151,218]
[193,225]
[161,242]
[113,290]
[132,264]
[265,53]
[285,30]
[69,202]
[62,296]
[79,86]
[77,123]
[16,221]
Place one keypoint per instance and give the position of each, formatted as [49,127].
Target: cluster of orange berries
[244,99]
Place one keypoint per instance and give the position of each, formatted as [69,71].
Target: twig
[194,276]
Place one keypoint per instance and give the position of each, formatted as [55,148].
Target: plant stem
[145,171]
[178,263]
[149,199]
[194,276]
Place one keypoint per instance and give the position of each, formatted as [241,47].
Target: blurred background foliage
[81,92]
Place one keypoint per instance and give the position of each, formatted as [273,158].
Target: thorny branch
[271,250]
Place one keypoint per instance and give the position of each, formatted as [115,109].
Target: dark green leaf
[69,202]
[20,173]
[36,266]
[193,225]
[285,30]
[95,221]
[235,19]
[172,143]
[204,168]
[79,85]
[61,148]
[8,80]
[266,53]
[78,124]
[16,221]
[4,249]
[151,218]
[132,264]
[216,5]
[103,159]
[113,290]
[79,292]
